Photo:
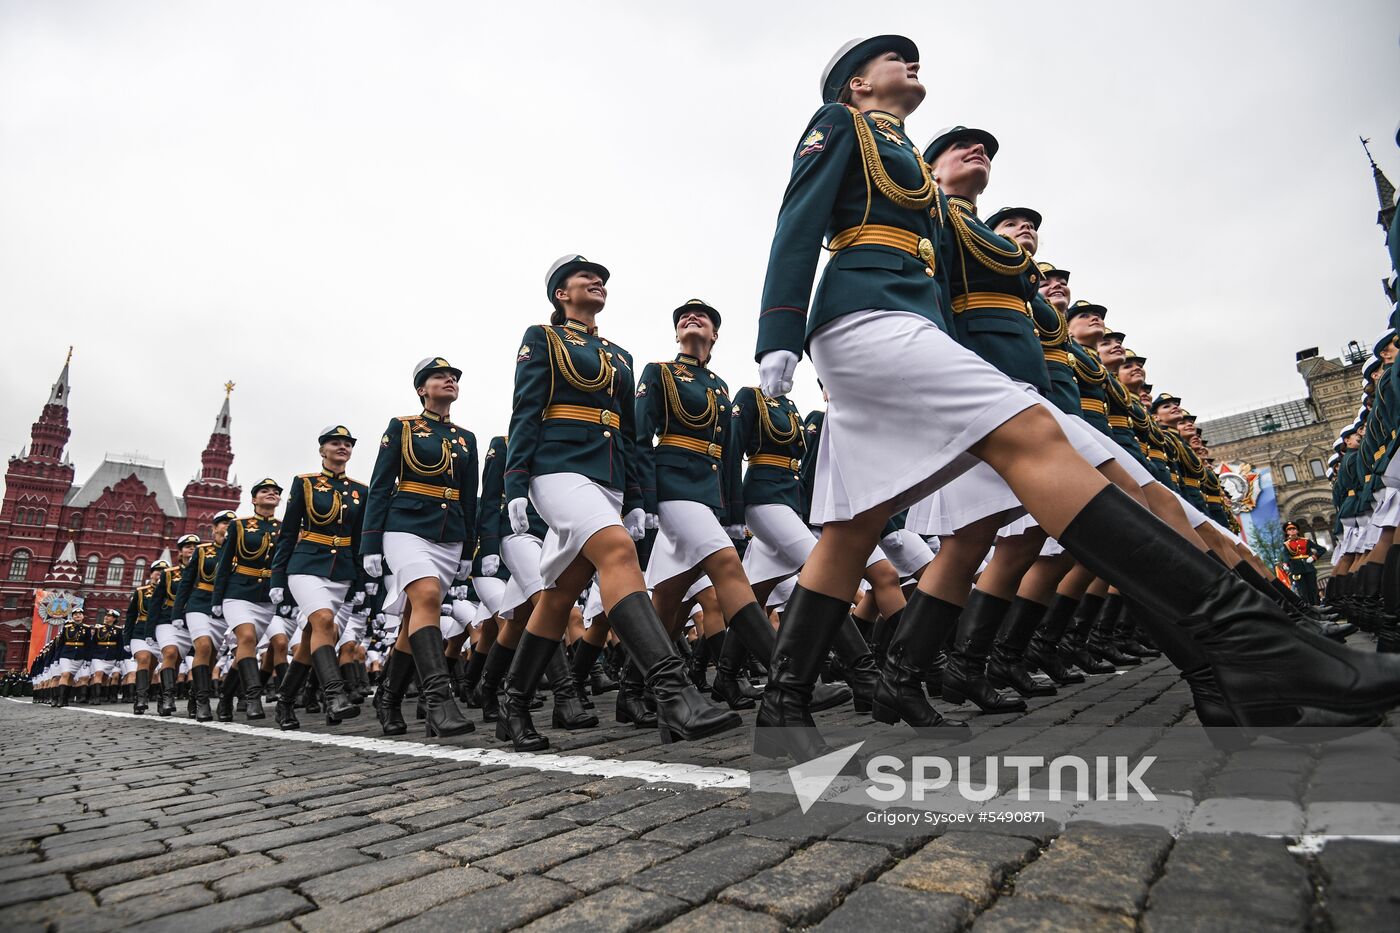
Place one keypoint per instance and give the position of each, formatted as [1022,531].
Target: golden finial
[228,388]
[70,356]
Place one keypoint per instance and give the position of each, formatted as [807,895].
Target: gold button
[454,430]
[605,343]
[714,466]
[454,456]
[719,430]
[607,434]
[721,408]
[332,550]
[444,505]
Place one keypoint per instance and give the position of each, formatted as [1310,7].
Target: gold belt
[906,241]
[1214,500]
[774,460]
[1193,483]
[1156,454]
[603,416]
[692,444]
[1093,404]
[1119,421]
[425,489]
[206,587]
[253,572]
[1057,356]
[981,301]
[329,540]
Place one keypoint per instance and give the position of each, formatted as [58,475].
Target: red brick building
[119,521]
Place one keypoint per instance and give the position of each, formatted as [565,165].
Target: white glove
[635,522]
[464,568]
[371,588]
[735,531]
[519,517]
[653,521]
[276,594]
[217,611]
[775,372]
[374,564]
[894,543]
[461,592]
[359,600]
[490,565]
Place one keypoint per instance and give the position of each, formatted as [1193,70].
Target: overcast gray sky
[307,198]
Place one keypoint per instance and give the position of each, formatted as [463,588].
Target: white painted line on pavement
[651,772]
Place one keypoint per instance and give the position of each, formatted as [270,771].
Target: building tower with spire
[114,525]
[1385,194]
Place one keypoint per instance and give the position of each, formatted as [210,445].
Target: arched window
[146,527]
[1316,467]
[19,565]
[138,571]
[125,523]
[75,521]
[115,568]
[1290,473]
[41,517]
[21,516]
[90,570]
[101,521]
[169,529]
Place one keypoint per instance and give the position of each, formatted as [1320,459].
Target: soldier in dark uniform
[173,639]
[573,453]
[1302,553]
[241,587]
[107,656]
[317,560]
[194,604]
[419,525]
[878,309]
[71,646]
[139,634]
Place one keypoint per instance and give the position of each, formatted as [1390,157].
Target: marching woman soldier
[171,635]
[879,311]
[108,655]
[690,481]
[71,648]
[316,558]
[573,452]
[140,635]
[419,526]
[194,604]
[241,587]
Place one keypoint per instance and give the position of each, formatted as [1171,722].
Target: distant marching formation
[994,503]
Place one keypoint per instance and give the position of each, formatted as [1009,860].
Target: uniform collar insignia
[963,204]
[687,359]
[575,325]
[885,117]
[431,416]
[329,475]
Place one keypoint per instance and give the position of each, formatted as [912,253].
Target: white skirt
[1370,536]
[689,532]
[1391,476]
[907,401]
[452,624]
[914,556]
[778,599]
[781,542]
[699,586]
[1387,510]
[69,665]
[203,625]
[103,667]
[492,591]
[352,627]
[411,558]
[593,605]
[140,644]
[575,508]
[241,612]
[316,593]
[521,554]
[174,636]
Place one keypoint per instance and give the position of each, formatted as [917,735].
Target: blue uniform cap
[1006,213]
[567,265]
[952,134]
[851,56]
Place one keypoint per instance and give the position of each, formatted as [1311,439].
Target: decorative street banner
[51,610]
[1252,491]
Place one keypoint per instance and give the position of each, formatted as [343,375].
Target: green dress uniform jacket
[1055,347]
[245,561]
[859,183]
[770,433]
[136,614]
[683,408]
[1154,444]
[424,484]
[163,593]
[320,534]
[992,280]
[196,592]
[1119,413]
[812,428]
[492,522]
[1093,396]
[1214,496]
[1192,469]
[574,412]
[108,645]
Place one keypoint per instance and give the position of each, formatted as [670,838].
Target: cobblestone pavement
[114,821]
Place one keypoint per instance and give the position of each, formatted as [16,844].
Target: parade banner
[1255,501]
[51,610]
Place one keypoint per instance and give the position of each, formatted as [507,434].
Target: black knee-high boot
[858,660]
[1007,666]
[1261,661]
[681,711]
[292,681]
[515,725]
[1043,653]
[143,685]
[498,661]
[473,677]
[631,699]
[349,678]
[569,712]
[388,699]
[1388,638]
[1100,641]
[965,676]
[337,702]
[251,677]
[923,630]
[729,687]
[166,705]
[585,656]
[1072,647]
[443,716]
[700,662]
[228,689]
